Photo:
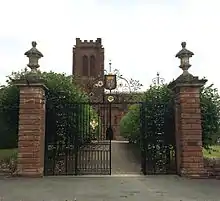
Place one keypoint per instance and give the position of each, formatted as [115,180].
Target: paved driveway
[125,158]
[136,188]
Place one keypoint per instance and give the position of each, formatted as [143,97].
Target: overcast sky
[141,37]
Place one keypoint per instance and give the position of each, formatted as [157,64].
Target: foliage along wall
[62,92]
[158,112]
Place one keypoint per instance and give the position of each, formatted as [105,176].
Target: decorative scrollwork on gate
[126,85]
[95,88]
[125,91]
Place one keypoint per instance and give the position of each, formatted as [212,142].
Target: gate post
[188,127]
[31,132]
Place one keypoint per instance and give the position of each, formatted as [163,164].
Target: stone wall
[212,166]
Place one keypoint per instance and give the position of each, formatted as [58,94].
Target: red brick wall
[31,131]
[189,132]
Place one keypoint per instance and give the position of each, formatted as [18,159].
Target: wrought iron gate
[158,139]
[78,139]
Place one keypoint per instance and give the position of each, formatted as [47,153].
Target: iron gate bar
[143,139]
[110,137]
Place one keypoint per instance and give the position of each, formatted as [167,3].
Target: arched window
[85,65]
[92,66]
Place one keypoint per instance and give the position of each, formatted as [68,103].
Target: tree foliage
[62,94]
[159,114]
[147,117]
[210,110]
[130,124]
[9,100]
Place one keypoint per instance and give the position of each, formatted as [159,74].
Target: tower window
[92,66]
[85,65]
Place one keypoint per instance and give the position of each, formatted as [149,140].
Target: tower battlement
[88,43]
[88,58]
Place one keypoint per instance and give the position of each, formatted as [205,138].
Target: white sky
[141,37]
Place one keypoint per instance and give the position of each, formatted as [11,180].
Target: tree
[155,107]
[9,100]
[210,110]
[62,98]
[130,124]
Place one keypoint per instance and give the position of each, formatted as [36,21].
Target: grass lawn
[6,153]
[212,154]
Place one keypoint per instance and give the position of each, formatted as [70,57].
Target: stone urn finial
[184,56]
[183,44]
[34,55]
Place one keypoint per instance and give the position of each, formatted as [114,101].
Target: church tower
[88,70]
[88,66]
[88,61]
